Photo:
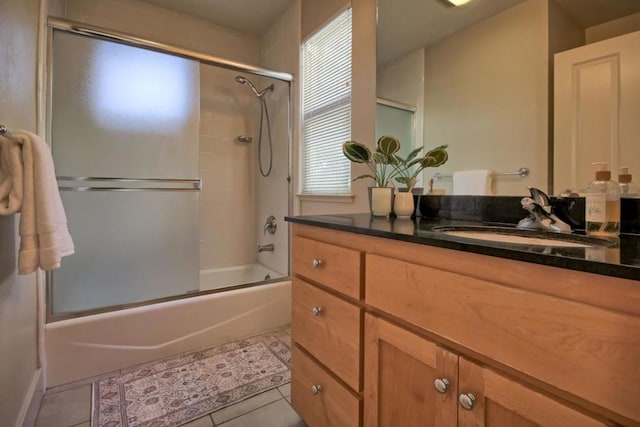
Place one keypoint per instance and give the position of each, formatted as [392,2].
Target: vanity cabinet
[523,344]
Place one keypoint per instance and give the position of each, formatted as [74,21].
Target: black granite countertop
[619,258]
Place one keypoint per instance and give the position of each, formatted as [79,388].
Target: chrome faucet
[265,248]
[271,225]
[541,216]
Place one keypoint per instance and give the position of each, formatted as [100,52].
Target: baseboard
[31,404]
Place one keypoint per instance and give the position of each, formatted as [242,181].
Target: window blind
[326,98]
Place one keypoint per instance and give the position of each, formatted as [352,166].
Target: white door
[596,110]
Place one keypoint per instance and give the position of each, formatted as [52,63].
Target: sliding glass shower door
[124,134]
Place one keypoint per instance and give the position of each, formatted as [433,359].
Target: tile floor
[70,406]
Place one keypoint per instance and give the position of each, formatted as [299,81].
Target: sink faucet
[541,216]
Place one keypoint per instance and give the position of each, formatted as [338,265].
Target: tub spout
[265,248]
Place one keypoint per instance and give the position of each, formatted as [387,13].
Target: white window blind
[326,97]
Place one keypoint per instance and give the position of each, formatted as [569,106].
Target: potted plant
[410,167]
[383,165]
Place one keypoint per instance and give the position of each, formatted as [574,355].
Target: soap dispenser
[627,188]
[603,204]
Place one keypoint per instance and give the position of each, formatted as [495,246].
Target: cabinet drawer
[328,328]
[333,266]
[571,346]
[332,406]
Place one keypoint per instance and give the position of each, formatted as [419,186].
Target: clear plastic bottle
[603,204]
[627,188]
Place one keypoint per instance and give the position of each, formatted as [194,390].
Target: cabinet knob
[441,384]
[315,389]
[316,263]
[467,400]
[316,311]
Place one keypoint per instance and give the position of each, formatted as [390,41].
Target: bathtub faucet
[265,248]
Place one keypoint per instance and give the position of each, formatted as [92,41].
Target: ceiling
[403,25]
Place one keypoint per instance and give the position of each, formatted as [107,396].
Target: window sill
[327,198]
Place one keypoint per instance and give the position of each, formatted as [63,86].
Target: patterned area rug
[177,390]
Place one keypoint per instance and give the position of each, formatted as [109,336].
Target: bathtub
[216,278]
[90,346]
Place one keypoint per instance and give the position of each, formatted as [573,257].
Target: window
[326,98]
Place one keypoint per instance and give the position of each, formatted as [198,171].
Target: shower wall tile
[223,221]
[221,253]
[225,122]
[226,171]
[228,202]
[221,144]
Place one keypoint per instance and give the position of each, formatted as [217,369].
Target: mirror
[481,79]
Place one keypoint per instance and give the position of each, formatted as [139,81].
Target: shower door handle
[71,183]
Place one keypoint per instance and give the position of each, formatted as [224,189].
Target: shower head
[245,81]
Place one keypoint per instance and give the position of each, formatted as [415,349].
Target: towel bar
[6,132]
[520,172]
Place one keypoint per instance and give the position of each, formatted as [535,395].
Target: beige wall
[19,372]
[486,97]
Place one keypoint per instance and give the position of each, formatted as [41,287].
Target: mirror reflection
[481,79]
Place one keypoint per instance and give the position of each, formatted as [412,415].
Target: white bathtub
[217,278]
[93,345]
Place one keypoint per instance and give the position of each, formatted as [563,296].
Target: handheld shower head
[264,112]
[245,81]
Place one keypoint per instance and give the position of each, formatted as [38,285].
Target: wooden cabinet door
[400,369]
[499,401]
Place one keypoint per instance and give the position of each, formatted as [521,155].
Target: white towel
[476,182]
[10,176]
[44,237]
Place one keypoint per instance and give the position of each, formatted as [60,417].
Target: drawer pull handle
[441,384]
[467,400]
[315,389]
[316,311]
[317,263]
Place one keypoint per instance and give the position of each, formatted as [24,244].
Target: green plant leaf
[434,158]
[356,152]
[380,158]
[363,177]
[388,145]
[413,154]
[415,162]
[406,180]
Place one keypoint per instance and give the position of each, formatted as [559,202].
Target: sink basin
[516,236]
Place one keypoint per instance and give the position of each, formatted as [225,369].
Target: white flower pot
[403,205]
[381,199]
